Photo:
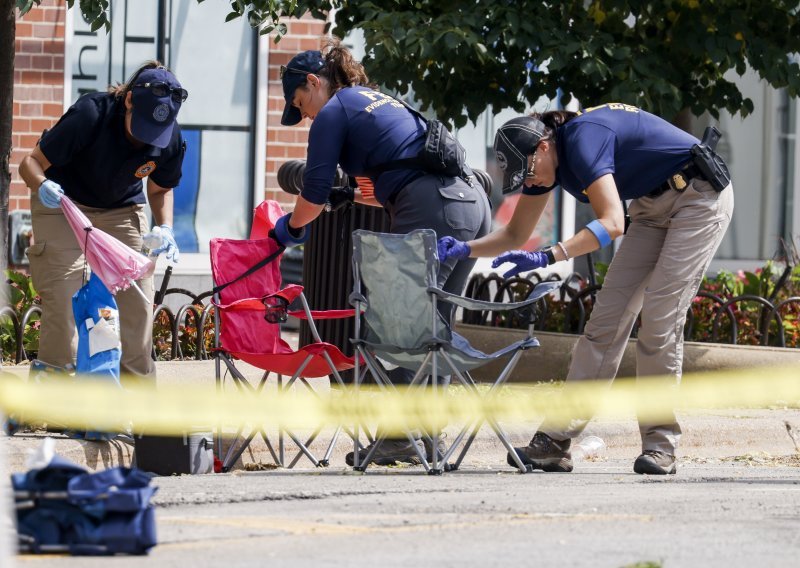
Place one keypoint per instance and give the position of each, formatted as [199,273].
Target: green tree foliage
[460,56]
[94,11]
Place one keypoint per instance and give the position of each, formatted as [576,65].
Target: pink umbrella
[115,263]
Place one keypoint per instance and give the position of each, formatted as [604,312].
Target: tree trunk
[8,29]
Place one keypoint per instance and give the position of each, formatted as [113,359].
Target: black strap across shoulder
[262,263]
[441,153]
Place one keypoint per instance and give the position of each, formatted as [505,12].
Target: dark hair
[552,120]
[121,89]
[341,69]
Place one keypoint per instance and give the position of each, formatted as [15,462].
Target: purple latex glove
[448,247]
[523,259]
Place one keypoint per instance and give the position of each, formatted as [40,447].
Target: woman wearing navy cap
[97,154]
[362,129]
[601,156]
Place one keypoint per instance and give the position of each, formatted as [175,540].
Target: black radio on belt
[712,167]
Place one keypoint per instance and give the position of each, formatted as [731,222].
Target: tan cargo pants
[57,269]
[656,271]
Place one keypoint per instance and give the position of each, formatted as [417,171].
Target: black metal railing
[727,320]
[187,333]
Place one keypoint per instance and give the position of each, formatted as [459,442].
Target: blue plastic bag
[99,346]
[97,319]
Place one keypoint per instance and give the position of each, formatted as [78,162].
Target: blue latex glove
[523,259]
[168,244]
[286,236]
[50,194]
[448,247]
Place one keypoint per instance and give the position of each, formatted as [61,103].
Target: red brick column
[286,142]
[38,85]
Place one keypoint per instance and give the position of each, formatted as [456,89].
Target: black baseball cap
[513,143]
[292,76]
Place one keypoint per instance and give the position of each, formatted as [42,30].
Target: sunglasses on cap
[160,89]
[285,70]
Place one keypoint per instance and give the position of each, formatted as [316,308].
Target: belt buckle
[678,182]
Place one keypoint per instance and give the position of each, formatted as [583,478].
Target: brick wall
[286,142]
[38,85]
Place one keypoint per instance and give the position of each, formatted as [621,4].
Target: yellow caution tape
[86,403]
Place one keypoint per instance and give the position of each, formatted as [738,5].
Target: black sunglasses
[160,89]
[285,70]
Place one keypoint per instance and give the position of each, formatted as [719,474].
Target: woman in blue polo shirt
[601,156]
[361,129]
[97,154]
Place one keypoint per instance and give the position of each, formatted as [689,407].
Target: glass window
[215,195]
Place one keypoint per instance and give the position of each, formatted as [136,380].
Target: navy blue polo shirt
[94,162]
[359,129]
[640,149]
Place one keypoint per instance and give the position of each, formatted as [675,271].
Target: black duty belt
[679,181]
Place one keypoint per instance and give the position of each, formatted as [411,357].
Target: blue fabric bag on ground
[99,347]
[64,508]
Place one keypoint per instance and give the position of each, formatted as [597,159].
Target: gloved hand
[523,259]
[448,247]
[286,236]
[50,194]
[152,240]
[168,244]
[340,197]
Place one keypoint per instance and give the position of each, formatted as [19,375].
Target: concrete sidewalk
[707,434]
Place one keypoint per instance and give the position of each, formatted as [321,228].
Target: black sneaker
[655,463]
[389,452]
[545,453]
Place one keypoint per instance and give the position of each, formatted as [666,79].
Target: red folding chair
[250,305]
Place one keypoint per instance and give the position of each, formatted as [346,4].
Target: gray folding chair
[396,298]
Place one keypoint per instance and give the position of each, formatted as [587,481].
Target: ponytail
[341,69]
[552,120]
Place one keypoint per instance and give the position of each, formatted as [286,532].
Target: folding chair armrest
[539,291]
[290,293]
[323,314]
[243,304]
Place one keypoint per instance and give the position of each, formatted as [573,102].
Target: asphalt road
[729,512]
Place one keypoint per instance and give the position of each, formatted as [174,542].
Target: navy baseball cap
[294,75]
[157,98]
[513,143]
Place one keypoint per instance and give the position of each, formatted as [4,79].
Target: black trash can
[327,269]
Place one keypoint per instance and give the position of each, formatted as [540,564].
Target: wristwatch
[551,258]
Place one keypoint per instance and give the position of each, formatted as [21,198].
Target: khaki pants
[57,270]
[656,271]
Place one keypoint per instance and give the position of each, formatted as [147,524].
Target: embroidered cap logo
[502,161]
[161,112]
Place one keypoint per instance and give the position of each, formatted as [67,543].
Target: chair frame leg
[499,432]
[385,384]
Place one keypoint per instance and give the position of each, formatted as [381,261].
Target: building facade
[236,144]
